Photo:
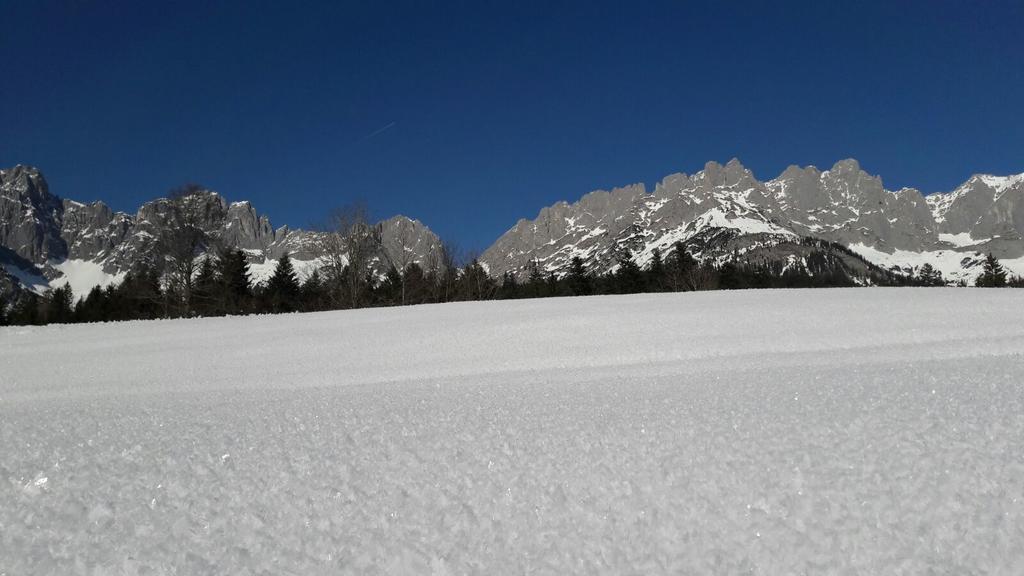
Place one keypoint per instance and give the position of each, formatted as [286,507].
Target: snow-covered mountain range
[47,241]
[719,213]
[722,212]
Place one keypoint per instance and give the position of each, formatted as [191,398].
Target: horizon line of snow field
[769,431]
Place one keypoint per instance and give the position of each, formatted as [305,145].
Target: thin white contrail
[380,130]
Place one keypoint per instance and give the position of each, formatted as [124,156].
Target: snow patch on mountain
[30,280]
[83,275]
[963,239]
[955,266]
[1002,183]
[261,272]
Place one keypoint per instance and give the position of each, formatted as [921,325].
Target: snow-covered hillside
[768,432]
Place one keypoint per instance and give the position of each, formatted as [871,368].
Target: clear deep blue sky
[471,116]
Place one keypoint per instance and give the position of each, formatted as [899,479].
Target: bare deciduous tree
[403,256]
[346,247]
[181,243]
[449,261]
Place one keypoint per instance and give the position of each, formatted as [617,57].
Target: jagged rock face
[985,213]
[93,231]
[42,231]
[407,241]
[29,215]
[603,224]
[849,206]
[844,204]
[244,228]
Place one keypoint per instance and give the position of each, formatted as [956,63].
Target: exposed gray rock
[985,213]
[244,228]
[844,204]
[849,206]
[407,241]
[30,216]
[93,231]
[766,220]
[41,231]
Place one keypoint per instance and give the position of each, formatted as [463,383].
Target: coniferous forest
[219,284]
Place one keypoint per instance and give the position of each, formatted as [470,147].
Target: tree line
[189,276]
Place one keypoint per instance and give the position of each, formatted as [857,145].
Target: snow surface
[852,431]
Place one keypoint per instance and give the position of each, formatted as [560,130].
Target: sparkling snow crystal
[870,431]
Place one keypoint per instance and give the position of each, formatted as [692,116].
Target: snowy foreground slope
[863,431]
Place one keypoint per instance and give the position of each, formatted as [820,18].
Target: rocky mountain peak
[724,208]
[733,174]
[43,231]
[29,215]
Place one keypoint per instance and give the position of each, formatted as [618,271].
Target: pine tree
[59,309]
[509,288]
[656,275]
[552,286]
[233,276]
[204,291]
[993,275]
[26,310]
[629,279]
[417,285]
[283,287]
[390,291]
[730,277]
[580,283]
[474,283]
[535,286]
[140,296]
[929,276]
[681,269]
[311,294]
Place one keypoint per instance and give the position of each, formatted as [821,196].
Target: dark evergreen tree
[929,276]
[629,279]
[94,307]
[205,297]
[283,287]
[313,293]
[993,275]
[552,287]
[233,276]
[681,269]
[474,283]
[418,288]
[535,284]
[730,277]
[579,282]
[141,295]
[389,292]
[509,287]
[26,310]
[656,274]
[59,305]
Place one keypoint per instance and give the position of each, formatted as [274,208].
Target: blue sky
[472,115]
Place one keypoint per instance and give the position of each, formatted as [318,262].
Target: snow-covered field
[861,431]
